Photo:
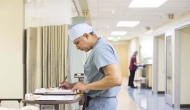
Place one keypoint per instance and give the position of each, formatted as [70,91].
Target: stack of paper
[60,92]
[53,91]
[56,97]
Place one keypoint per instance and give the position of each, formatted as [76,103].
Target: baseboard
[149,87]
[184,105]
[161,92]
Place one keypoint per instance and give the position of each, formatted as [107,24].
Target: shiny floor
[141,99]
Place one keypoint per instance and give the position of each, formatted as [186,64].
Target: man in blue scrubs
[101,71]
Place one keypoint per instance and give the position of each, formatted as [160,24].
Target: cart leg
[57,107]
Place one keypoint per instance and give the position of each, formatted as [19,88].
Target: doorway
[122,51]
[182,67]
[169,78]
[159,65]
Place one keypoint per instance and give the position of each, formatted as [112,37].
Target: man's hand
[65,85]
[79,86]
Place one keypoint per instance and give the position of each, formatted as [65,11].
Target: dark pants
[131,78]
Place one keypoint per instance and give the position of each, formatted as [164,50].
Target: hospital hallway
[141,99]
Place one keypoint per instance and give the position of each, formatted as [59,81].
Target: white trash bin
[2,108]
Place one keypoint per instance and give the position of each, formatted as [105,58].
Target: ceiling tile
[108,1]
[111,15]
[154,18]
[113,4]
[186,9]
[165,11]
[176,4]
[92,5]
[180,13]
[132,18]
[180,0]
[112,9]
[136,11]
[101,17]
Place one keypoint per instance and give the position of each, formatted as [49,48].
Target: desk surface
[33,101]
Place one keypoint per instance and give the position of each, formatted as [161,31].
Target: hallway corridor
[141,99]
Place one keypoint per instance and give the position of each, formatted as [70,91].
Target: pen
[62,82]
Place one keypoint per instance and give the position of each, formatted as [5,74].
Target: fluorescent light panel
[146,3]
[118,33]
[111,38]
[127,23]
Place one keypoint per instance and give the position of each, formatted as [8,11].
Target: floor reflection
[147,101]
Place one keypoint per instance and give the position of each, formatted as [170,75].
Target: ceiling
[101,16]
[103,20]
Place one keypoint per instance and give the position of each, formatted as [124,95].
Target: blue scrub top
[102,54]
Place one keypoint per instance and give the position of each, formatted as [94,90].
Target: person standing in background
[132,68]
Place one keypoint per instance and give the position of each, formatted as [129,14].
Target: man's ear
[86,35]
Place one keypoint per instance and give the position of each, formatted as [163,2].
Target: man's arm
[137,63]
[113,78]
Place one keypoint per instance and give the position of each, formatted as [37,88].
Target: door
[122,51]
[168,91]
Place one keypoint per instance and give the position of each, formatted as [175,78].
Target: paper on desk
[60,91]
[53,97]
[54,91]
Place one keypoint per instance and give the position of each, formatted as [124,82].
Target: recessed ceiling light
[118,32]
[146,3]
[127,23]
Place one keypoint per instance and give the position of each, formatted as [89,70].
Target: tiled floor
[141,99]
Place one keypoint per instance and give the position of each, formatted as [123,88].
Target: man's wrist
[73,84]
[87,86]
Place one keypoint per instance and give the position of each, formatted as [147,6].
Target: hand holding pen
[62,83]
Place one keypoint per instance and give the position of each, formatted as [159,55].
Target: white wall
[34,22]
[78,60]
[79,57]
[169,26]
[161,63]
[171,23]
[185,63]
[11,51]
[146,49]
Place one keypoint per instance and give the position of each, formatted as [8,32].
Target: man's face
[82,43]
